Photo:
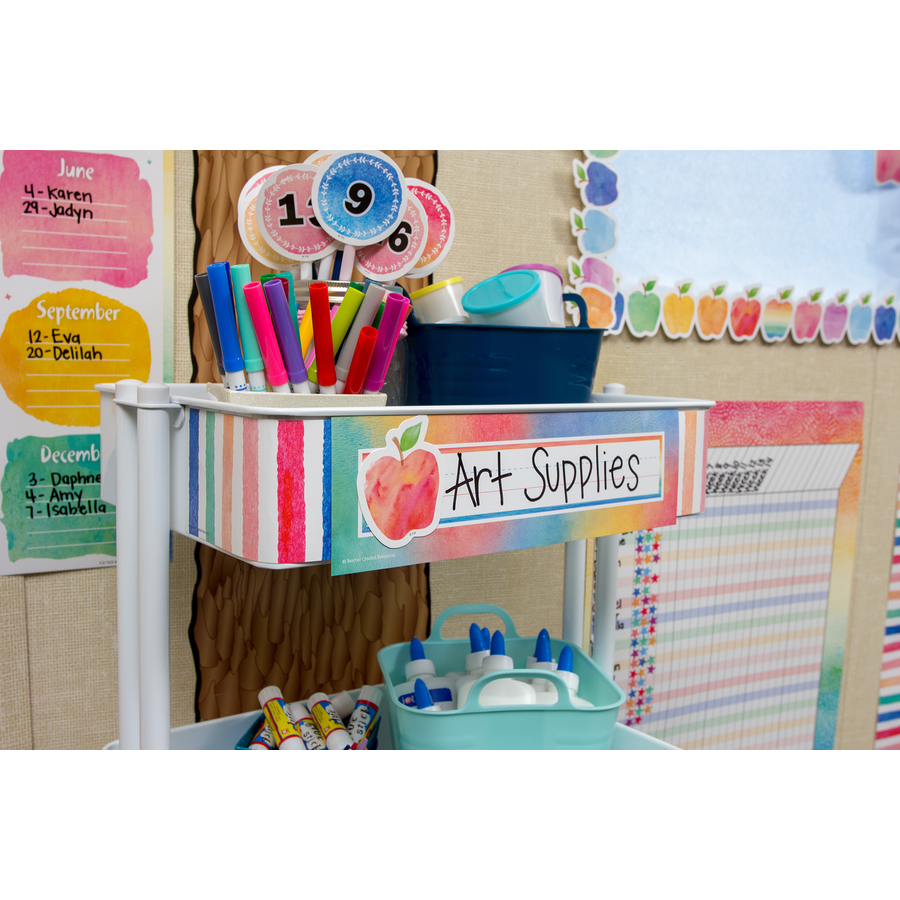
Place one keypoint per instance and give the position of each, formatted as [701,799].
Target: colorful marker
[220,287]
[265,334]
[253,361]
[364,317]
[287,277]
[321,316]
[287,337]
[341,323]
[359,368]
[202,282]
[395,308]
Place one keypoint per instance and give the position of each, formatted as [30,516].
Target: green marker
[253,361]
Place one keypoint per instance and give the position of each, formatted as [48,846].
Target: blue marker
[220,287]
[423,698]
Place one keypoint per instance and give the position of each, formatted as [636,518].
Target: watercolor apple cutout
[399,485]
[600,306]
[859,328]
[596,182]
[678,312]
[885,321]
[777,316]
[887,166]
[807,316]
[595,230]
[745,315]
[643,310]
[593,270]
[712,313]
[834,320]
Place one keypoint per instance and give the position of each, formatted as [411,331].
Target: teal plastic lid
[501,292]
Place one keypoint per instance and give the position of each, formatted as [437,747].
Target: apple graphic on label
[834,320]
[643,310]
[712,312]
[860,326]
[807,315]
[398,486]
[885,321]
[745,315]
[678,312]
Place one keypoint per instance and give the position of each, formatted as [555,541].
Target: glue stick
[329,723]
[263,739]
[363,717]
[283,729]
[306,726]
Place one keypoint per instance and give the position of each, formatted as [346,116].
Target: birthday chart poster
[732,624]
[81,302]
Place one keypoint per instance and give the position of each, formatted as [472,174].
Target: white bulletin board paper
[81,302]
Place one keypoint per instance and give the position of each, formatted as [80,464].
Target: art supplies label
[51,499]
[487,483]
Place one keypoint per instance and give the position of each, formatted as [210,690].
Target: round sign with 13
[285,215]
[397,255]
[359,197]
[249,229]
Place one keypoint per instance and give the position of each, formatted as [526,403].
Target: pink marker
[395,308]
[265,334]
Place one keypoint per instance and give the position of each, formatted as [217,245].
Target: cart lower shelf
[224,733]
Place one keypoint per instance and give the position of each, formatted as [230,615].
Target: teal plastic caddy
[562,726]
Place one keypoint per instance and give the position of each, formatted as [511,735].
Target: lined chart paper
[887,732]
[81,303]
[728,610]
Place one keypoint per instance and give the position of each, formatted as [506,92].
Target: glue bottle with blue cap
[542,659]
[479,650]
[442,689]
[503,691]
[423,697]
[565,672]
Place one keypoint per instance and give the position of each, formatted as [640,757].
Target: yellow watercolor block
[57,348]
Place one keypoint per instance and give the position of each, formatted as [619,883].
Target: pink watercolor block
[94,222]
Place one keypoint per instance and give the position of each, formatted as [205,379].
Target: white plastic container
[552,284]
[508,299]
[440,303]
[441,688]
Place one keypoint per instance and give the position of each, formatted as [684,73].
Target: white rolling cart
[144,437]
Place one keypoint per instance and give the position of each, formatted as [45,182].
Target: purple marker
[287,336]
[395,307]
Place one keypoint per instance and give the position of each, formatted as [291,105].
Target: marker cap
[395,308]
[209,311]
[287,337]
[253,361]
[265,333]
[220,287]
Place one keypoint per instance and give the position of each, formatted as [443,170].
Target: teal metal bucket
[562,726]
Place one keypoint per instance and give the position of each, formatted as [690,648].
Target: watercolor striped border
[887,729]
[693,444]
[260,488]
